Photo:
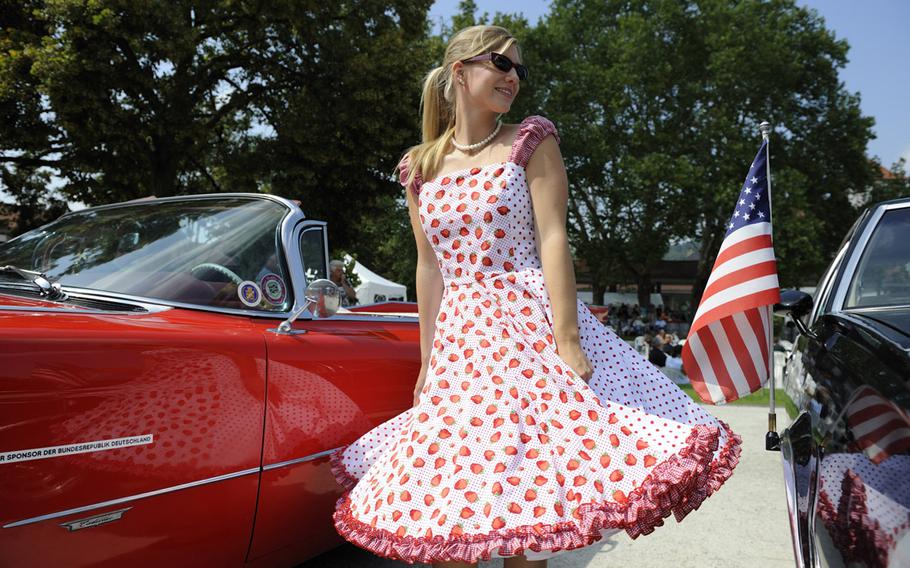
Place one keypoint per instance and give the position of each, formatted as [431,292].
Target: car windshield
[883,275]
[219,252]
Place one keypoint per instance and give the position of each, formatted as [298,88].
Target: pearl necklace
[478,145]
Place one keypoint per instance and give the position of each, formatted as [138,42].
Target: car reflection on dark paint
[847,455]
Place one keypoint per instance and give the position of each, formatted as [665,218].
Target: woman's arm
[429,283]
[549,200]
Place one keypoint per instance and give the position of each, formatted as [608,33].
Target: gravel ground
[744,525]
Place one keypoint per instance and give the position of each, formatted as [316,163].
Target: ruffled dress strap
[404,171]
[531,133]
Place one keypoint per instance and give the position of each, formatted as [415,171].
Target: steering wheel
[223,270]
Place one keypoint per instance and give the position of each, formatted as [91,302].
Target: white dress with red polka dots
[508,451]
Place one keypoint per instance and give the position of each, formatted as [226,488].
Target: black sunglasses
[502,63]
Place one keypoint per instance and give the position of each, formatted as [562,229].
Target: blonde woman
[534,429]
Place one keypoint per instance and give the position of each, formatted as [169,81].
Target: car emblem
[96,520]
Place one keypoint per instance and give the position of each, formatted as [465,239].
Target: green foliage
[659,105]
[890,185]
[120,99]
[392,247]
[758,398]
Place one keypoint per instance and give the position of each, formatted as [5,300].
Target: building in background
[672,281]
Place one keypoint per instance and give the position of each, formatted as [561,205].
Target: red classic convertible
[173,374]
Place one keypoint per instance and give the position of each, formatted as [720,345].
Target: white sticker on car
[70,449]
[249,293]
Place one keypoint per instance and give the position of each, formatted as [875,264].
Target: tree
[343,107]
[130,100]
[119,100]
[889,184]
[659,103]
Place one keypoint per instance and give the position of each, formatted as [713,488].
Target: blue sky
[878,68]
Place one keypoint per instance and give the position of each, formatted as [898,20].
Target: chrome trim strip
[85,310]
[291,236]
[198,197]
[888,308]
[155,305]
[69,311]
[310,457]
[387,317]
[847,278]
[112,502]
[168,303]
[822,292]
[792,513]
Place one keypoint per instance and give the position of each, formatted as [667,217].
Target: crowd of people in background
[655,333]
[632,321]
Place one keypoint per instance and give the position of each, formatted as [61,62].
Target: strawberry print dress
[508,451]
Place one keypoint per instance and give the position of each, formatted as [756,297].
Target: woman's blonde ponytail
[438,113]
[437,100]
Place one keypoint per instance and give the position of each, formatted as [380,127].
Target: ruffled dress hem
[678,485]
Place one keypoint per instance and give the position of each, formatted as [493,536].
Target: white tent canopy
[374,288]
[630,298]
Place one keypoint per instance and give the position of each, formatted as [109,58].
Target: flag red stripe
[696,378]
[761,333]
[740,276]
[874,411]
[743,303]
[717,364]
[741,352]
[743,247]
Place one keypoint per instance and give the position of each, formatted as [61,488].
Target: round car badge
[249,293]
[273,289]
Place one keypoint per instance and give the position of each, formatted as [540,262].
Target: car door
[799,450]
[128,439]
[329,381]
[862,504]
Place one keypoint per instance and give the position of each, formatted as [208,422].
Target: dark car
[845,457]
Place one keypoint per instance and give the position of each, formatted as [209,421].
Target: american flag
[880,427]
[726,352]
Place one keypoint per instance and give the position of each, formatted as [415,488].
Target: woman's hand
[421,379]
[573,354]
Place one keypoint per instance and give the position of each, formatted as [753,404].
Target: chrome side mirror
[322,297]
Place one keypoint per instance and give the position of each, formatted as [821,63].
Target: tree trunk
[644,289]
[598,293]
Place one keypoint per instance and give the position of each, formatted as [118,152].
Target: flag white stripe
[742,261]
[866,427]
[704,365]
[734,293]
[865,401]
[730,362]
[752,343]
[744,233]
